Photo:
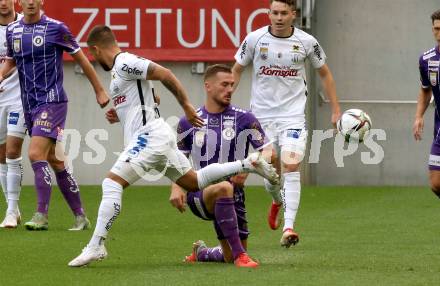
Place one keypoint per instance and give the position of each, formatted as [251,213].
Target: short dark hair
[101,35]
[215,69]
[291,3]
[435,16]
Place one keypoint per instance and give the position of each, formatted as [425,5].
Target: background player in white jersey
[12,126]
[279,92]
[150,144]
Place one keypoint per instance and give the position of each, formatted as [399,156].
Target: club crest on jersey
[38,41]
[199,138]
[228,133]
[43,115]
[433,78]
[17,45]
[293,133]
[264,53]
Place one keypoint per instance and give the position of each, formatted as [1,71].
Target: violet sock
[210,254]
[226,218]
[43,185]
[69,189]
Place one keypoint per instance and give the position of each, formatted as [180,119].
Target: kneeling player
[226,137]
[150,142]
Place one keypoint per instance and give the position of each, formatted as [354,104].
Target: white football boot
[89,254]
[255,163]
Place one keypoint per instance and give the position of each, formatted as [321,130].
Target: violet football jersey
[226,136]
[38,52]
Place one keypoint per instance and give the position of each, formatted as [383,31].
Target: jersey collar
[269,29]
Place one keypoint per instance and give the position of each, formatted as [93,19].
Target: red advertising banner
[172,30]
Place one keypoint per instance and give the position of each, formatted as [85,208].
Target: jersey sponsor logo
[434,64]
[130,70]
[199,138]
[227,117]
[243,49]
[293,133]
[295,48]
[13,118]
[119,99]
[433,78]
[38,41]
[28,30]
[317,51]
[43,123]
[17,45]
[264,53]
[228,133]
[428,56]
[228,123]
[278,72]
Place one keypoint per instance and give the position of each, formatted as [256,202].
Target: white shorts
[12,122]
[151,156]
[286,136]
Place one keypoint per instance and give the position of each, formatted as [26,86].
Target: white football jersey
[11,85]
[279,90]
[132,95]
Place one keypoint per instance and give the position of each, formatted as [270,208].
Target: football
[354,125]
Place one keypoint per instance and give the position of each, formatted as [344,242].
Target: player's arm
[101,95]
[423,101]
[7,69]
[330,90]
[169,80]
[178,197]
[237,70]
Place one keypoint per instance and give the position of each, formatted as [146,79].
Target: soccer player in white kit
[278,98]
[150,144]
[12,126]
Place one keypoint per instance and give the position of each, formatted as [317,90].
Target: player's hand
[191,115]
[418,128]
[178,199]
[102,98]
[112,116]
[335,117]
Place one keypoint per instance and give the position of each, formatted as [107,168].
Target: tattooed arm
[169,80]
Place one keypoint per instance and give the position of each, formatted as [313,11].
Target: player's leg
[120,177]
[255,163]
[216,202]
[14,178]
[293,144]
[68,186]
[39,148]
[3,166]
[14,143]
[434,178]
[272,154]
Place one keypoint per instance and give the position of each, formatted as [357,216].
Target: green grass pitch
[349,236]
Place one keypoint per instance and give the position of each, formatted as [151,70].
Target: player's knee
[13,152]
[435,184]
[224,190]
[289,168]
[111,189]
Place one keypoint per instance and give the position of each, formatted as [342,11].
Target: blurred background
[372,48]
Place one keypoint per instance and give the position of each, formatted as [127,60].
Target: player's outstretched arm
[330,91]
[169,80]
[178,197]
[423,100]
[237,70]
[101,95]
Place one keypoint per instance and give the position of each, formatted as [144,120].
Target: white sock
[217,172]
[274,191]
[3,171]
[14,176]
[291,196]
[109,210]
